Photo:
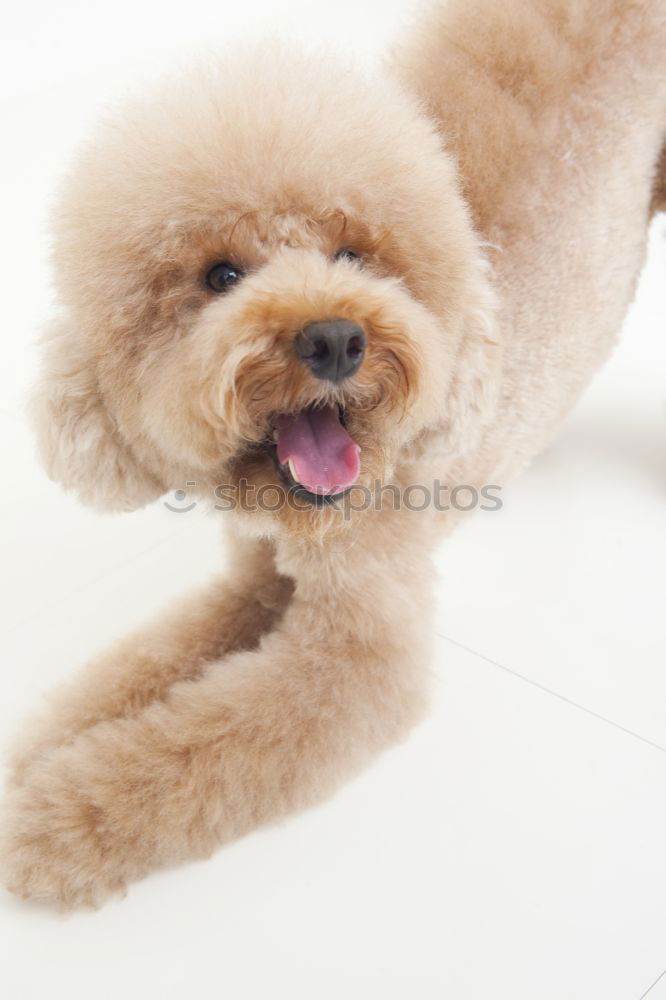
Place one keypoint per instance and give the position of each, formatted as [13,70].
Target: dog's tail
[658,203]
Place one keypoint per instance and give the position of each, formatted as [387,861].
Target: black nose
[332,349]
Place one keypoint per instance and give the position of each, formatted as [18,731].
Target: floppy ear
[475,385]
[80,445]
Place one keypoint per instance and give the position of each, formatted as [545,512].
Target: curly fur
[497,180]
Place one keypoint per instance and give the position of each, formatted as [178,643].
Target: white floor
[515,847]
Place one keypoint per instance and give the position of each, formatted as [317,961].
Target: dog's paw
[57,843]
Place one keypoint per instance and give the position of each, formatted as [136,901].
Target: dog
[281,277]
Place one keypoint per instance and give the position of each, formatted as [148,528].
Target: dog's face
[267,275]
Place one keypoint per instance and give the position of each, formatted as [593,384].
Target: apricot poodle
[285,281]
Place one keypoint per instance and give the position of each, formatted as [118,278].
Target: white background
[515,846]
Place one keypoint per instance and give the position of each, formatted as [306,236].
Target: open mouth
[314,454]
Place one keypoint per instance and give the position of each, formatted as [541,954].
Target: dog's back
[505,81]
[556,113]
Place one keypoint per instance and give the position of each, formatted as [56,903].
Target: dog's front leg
[260,734]
[229,614]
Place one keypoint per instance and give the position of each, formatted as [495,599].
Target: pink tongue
[322,456]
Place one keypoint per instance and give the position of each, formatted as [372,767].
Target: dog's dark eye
[346,254]
[223,276]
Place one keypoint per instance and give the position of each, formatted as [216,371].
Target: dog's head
[266,274]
